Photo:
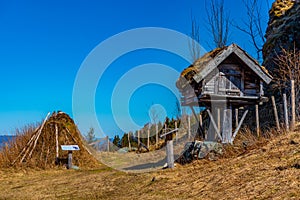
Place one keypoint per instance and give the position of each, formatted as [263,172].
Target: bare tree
[252,25]
[194,42]
[288,62]
[218,22]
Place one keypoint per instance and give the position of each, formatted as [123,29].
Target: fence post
[156,130]
[286,117]
[275,113]
[129,145]
[107,139]
[148,140]
[257,120]
[293,105]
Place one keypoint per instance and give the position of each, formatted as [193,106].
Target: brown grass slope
[268,171]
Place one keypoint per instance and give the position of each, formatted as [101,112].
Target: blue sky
[44,43]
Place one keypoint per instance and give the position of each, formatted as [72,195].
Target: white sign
[70,147]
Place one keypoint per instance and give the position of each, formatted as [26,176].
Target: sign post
[70,149]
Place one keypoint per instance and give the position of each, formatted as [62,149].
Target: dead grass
[268,172]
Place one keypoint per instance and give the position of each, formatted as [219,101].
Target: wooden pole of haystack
[257,120]
[156,132]
[129,145]
[189,127]
[286,117]
[56,142]
[275,112]
[293,106]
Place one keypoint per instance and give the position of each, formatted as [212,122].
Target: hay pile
[40,147]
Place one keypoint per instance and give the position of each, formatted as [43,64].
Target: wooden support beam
[293,106]
[275,112]
[236,117]
[214,124]
[219,118]
[257,120]
[239,126]
[286,117]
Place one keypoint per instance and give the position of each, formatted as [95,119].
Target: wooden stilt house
[224,80]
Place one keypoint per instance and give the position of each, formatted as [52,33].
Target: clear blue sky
[43,44]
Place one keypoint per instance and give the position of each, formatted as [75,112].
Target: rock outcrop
[283,30]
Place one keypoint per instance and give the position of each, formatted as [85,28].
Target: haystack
[41,148]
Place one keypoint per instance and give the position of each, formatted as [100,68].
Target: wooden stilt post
[257,120]
[286,117]
[156,132]
[239,126]
[219,118]
[236,117]
[211,138]
[293,106]
[275,113]
[129,144]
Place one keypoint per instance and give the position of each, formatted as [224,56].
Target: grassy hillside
[270,171]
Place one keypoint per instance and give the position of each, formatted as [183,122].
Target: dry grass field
[271,171]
